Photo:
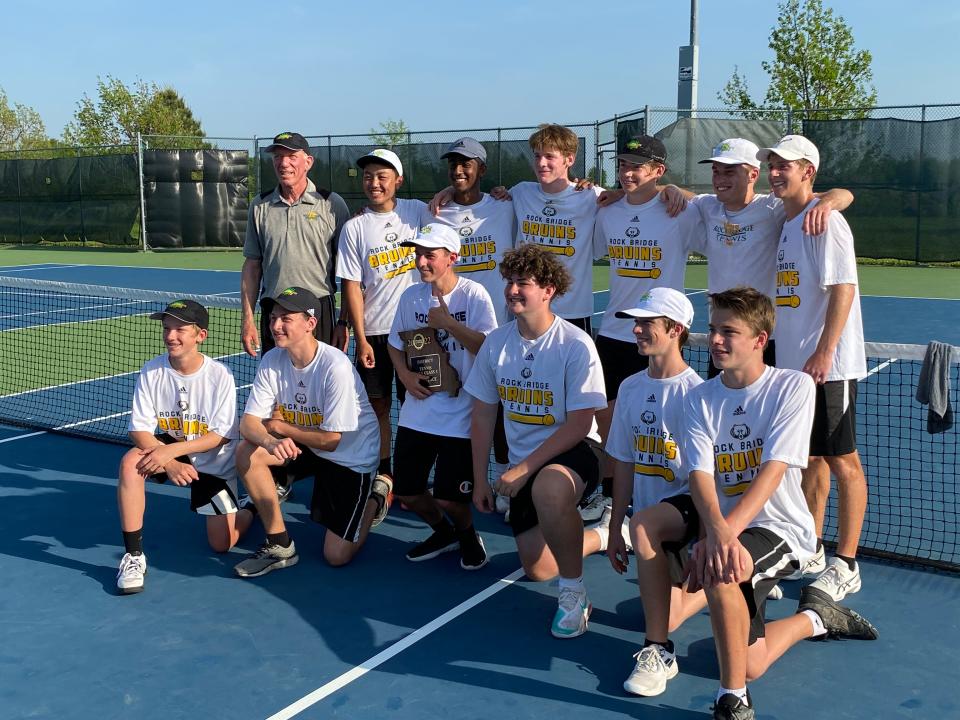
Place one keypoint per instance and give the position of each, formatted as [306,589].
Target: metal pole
[17,162]
[916,250]
[598,180]
[331,188]
[499,160]
[256,165]
[83,228]
[143,202]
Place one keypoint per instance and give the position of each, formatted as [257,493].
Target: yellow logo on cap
[178,305]
[427,230]
[284,136]
[288,292]
[633,145]
[723,147]
[645,297]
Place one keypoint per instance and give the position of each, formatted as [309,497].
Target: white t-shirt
[370,253]
[469,303]
[729,433]
[807,267]
[647,249]
[563,223]
[189,406]
[325,395]
[537,381]
[486,229]
[646,430]
[741,246]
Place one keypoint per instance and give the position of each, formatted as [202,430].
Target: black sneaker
[440,541]
[730,707]
[473,555]
[840,621]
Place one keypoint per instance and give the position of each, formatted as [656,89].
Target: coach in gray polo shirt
[292,235]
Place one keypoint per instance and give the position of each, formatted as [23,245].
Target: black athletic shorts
[835,419]
[582,323]
[379,379]
[339,493]
[209,494]
[769,358]
[581,459]
[770,565]
[619,361]
[416,452]
[322,332]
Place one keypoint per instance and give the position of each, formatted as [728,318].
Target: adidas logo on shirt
[466,220]
[652,398]
[182,389]
[389,224]
[635,219]
[300,384]
[529,356]
[739,410]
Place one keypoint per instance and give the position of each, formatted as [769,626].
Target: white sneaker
[650,676]
[573,611]
[130,574]
[593,510]
[814,565]
[838,580]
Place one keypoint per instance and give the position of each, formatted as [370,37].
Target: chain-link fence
[902,164]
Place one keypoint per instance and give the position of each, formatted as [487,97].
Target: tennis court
[384,637]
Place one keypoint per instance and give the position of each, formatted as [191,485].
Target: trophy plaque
[426,356]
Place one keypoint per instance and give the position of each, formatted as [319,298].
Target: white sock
[739,692]
[604,534]
[819,629]
[572,583]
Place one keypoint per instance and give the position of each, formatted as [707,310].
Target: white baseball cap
[436,235]
[662,302]
[734,151]
[382,155]
[793,147]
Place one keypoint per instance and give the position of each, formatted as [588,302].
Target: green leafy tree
[390,134]
[21,127]
[816,66]
[120,112]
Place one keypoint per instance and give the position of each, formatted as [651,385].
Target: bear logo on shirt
[740,432]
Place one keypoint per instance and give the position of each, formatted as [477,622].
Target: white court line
[416,636]
[29,268]
[879,367]
[22,437]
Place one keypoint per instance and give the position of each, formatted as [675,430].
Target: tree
[21,127]
[815,67]
[120,112]
[391,133]
[736,94]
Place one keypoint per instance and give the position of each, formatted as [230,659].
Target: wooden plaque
[425,355]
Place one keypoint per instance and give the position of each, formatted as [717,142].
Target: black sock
[606,486]
[851,562]
[668,645]
[133,541]
[384,467]
[282,539]
[467,533]
[444,527]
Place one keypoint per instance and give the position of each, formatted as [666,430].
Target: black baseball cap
[297,299]
[188,311]
[642,148]
[290,141]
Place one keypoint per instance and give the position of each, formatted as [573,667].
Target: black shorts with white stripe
[835,419]
[773,560]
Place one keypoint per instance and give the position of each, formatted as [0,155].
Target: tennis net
[69,357]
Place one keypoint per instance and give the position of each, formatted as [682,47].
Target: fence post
[916,249]
[329,164]
[499,159]
[143,202]
[646,120]
[789,121]
[596,154]
[256,167]
[83,227]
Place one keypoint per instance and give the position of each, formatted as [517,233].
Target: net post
[143,202]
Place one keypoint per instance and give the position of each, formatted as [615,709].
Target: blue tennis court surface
[386,638]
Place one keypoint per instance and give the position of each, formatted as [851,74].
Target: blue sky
[255,69]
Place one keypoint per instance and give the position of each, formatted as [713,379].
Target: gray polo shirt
[296,244]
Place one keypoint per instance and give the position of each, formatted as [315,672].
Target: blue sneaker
[573,611]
